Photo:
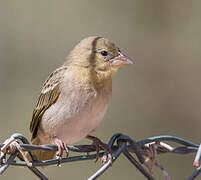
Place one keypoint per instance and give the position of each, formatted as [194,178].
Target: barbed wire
[145,151]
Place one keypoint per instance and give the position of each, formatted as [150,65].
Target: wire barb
[146,152]
[197,157]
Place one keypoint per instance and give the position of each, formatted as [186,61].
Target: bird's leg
[98,144]
[61,147]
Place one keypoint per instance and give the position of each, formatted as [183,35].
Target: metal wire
[144,150]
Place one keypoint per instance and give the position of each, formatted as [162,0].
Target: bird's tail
[41,155]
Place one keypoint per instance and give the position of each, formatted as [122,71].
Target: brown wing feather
[49,95]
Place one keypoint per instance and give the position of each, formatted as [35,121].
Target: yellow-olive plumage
[75,96]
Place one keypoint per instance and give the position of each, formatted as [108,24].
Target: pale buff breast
[73,117]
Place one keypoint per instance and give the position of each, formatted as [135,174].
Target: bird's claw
[99,145]
[61,147]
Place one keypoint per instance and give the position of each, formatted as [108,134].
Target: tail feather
[41,155]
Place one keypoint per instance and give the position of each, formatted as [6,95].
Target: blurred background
[160,94]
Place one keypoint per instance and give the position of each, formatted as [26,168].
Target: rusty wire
[144,150]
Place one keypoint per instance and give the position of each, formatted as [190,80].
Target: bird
[75,97]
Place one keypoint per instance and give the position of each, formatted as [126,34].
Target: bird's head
[100,56]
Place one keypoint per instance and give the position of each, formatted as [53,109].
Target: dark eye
[104,53]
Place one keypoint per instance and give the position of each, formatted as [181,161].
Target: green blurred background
[160,94]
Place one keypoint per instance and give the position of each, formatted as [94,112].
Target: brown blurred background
[160,94]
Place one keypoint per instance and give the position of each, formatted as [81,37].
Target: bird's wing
[49,95]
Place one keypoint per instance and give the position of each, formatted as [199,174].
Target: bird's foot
[99,145]
[61,148]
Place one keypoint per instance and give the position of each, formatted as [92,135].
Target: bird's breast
[76,113]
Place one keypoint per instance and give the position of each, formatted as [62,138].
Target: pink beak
[121,60]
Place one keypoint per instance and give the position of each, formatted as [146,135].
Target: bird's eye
[104,53]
